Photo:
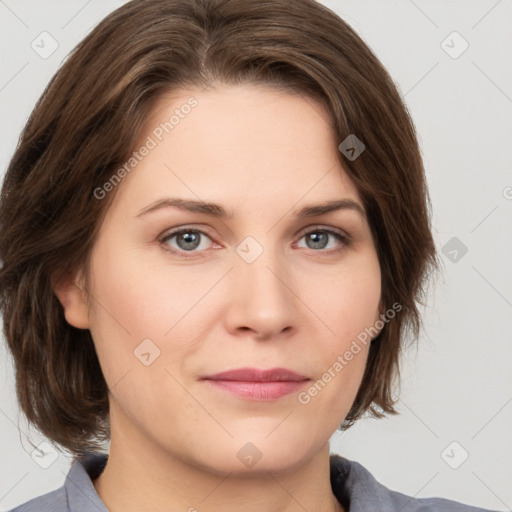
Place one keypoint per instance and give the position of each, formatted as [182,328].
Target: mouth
[256,384]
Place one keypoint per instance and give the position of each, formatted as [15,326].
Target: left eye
[189,240]
[318,238]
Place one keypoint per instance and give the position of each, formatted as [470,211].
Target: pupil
[190,240]
[319,240]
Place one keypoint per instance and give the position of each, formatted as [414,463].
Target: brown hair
[85,125]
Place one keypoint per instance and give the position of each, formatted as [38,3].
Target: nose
[262,302]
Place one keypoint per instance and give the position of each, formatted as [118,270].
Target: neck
[146,477]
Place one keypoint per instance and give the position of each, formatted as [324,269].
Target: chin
[249,456]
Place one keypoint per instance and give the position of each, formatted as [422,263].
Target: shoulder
[54,501]
[436,504]
[77,494]
[353,483]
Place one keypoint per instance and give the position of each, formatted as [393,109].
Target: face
[180,295]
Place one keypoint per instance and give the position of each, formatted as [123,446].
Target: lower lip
[258,390]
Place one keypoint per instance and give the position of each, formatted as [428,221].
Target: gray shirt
[356,489]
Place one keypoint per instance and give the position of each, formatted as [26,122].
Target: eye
[318,239]
[191,241]
[186,239]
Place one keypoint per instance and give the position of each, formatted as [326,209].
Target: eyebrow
[215,210]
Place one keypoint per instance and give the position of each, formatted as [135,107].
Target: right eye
[184,240]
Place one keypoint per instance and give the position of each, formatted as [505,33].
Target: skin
[261,154]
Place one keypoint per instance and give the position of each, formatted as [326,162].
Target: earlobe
[71,295]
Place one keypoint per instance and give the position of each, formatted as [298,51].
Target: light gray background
[457,386]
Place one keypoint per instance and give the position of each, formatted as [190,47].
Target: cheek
[347,304]
[346,300]
[136,299]
[349,310]
[143,298]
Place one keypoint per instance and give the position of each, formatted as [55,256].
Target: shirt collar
[356,488]
[352,484]
[80,491]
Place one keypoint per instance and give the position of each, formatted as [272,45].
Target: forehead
[238,142]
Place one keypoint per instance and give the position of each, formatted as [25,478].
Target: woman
[214,233]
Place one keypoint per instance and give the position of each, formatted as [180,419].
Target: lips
[257,385]
[256,375]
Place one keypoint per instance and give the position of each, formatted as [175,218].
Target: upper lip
[257,375]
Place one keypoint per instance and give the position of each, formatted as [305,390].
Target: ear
[69,290]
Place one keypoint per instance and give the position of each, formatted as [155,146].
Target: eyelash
[346,241]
